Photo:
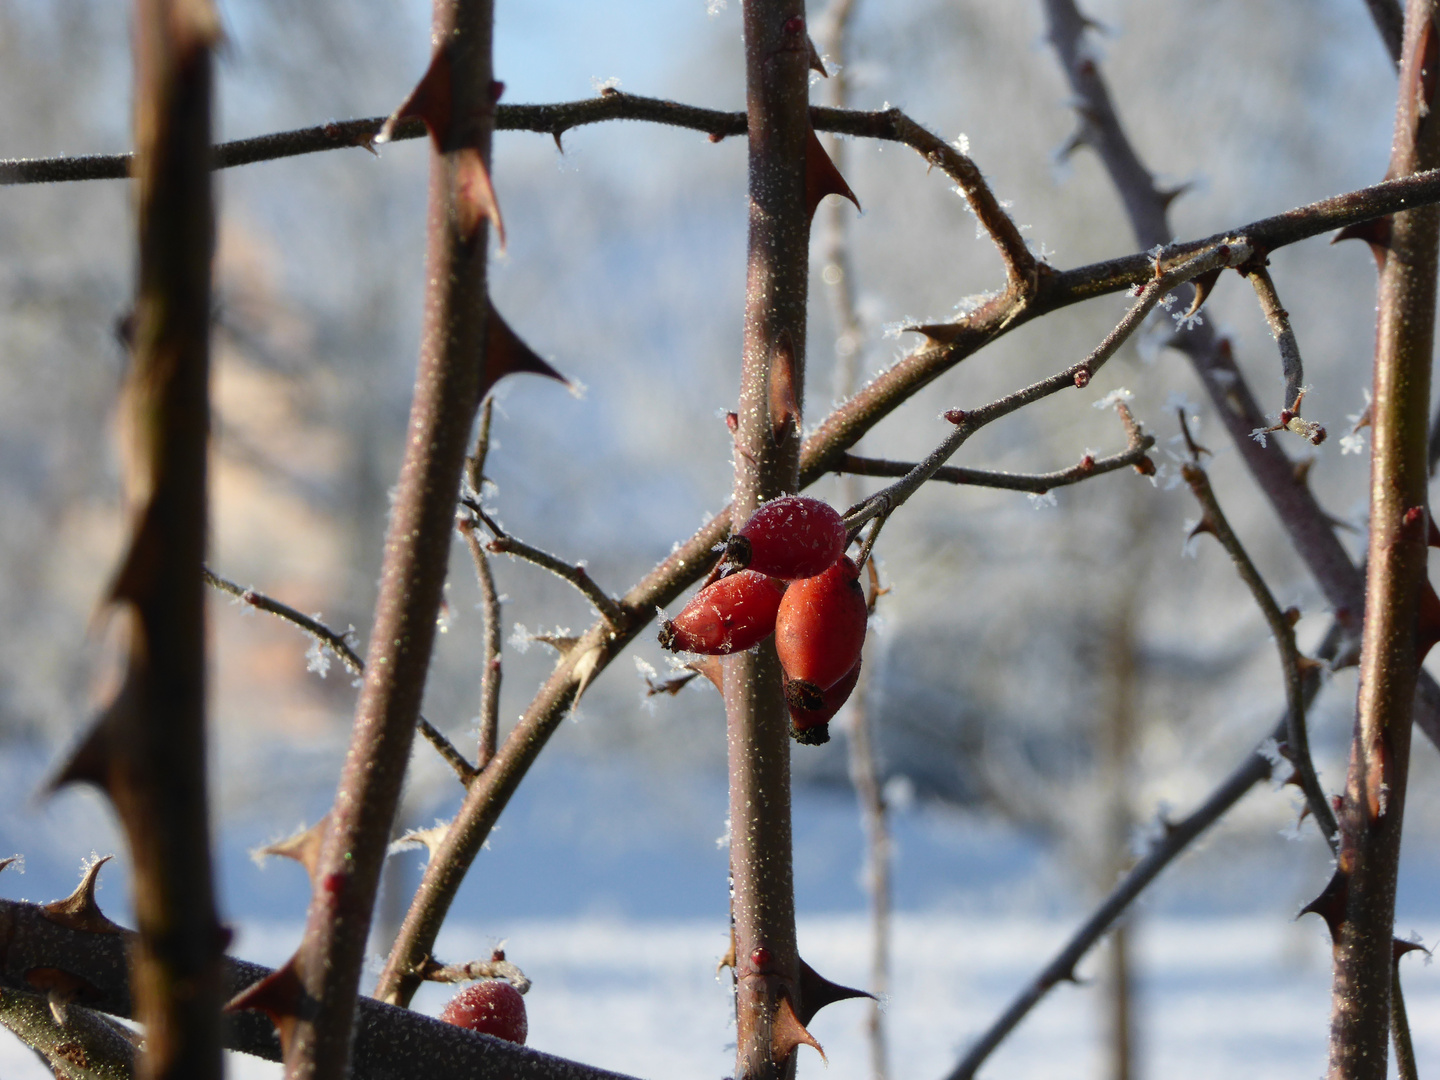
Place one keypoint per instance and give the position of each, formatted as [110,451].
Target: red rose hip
[791,537]
[811,727]
[726,616]
[493,1007]
[819,632]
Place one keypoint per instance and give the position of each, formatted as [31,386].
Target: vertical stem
[1370,819]
[766,465]
[155,732]
[447,393]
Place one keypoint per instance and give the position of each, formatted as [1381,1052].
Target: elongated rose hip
[791,537]
[729,615]
[819,632]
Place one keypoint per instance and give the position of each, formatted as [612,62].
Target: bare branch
[1282,629]
[1035,483]
[147,750]
[339,644]
[1231,253]
[1374,804]
[450,382]
[576,574]
[390,1043]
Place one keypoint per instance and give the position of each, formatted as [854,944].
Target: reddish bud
[732,421]
[1145,467]
[729,615]
[955,416]
[1087,463]
[1082,378]
[791,537]
[493,1007]
[760,957]
[794,25]
[1413,515]
[819,632]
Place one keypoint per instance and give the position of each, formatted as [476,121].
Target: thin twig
[1281,628]
[574,573]
[1292,367]
[1175,839]
[490,661]
[1035,483]
[336,642]
[339,644]
[1230,253]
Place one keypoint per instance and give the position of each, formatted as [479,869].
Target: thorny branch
[1176,838]
[339,644]
[390,1043]
[884,502]
[1311,530]
[1372,812]
[1282,628]
[455,364]
[1292,367]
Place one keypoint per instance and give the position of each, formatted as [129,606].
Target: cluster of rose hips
[786,572]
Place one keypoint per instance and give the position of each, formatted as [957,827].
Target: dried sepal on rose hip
[727,616]
[492,1007]
[791,537]
[819,632]
[811,727]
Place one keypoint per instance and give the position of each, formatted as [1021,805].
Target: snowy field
[1221,997]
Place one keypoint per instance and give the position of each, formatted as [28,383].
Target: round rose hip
[791,537]
[493,1007]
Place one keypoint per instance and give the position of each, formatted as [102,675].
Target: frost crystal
[1042,499]
[600,85]
[1261,435]
[520,638]
[1187,322]
[962,143]
[316,659]
[1113,398]
[1354,443]
[714,7]
[723,840]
